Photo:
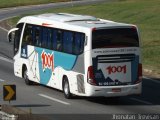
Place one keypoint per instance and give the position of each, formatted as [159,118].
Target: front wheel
[66,89]
[26,79]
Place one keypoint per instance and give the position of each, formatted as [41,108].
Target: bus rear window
[116,37]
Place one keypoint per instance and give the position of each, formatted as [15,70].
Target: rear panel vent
[80,83]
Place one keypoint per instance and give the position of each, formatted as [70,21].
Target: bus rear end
[116,68]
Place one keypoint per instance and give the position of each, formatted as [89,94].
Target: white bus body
[81,55]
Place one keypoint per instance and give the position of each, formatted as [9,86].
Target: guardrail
[5,116]
[9,112]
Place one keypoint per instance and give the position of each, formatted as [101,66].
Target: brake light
[116,89]
[45,24]
[134,28]
[93,29]
[139,73]
[90,76]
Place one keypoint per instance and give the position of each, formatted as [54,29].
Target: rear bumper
[109,92]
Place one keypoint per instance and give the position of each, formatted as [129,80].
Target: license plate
[116,89]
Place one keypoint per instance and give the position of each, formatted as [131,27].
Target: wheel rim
[66,88]
[25,75]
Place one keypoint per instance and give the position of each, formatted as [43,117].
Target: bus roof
[71,19]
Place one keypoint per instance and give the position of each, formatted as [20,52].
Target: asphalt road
[10,12]
[44,100]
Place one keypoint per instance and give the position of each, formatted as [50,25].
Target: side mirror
[10,35]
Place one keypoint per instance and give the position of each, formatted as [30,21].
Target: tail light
[90,76]
[139,73]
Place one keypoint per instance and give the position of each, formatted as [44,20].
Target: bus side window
[59,40]
[27,37]
[37,40]
[79,43]
[54,39]
[44,38]
[67,41]
[49,38]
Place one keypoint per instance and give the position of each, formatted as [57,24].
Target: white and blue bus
[78,54]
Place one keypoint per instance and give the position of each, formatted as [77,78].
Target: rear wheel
[25,76]
[66,88]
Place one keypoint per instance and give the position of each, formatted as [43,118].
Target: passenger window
[37,37]
[27,37]
[45,38]
[79,43]
[49,38]
[68,41]
[54,39]
[59,40]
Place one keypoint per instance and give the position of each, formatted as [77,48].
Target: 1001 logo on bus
[116,69]
[47,61]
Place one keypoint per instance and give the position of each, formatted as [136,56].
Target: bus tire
[66,88]
[25,76]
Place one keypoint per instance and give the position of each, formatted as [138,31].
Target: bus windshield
[116,37]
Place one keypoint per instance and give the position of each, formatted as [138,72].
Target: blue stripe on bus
[66,61]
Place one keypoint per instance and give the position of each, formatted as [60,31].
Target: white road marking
[1,80]
[54,99]
[4,29]
[156,81]
[5,19]
[6,60]
[7,116]
[142,101]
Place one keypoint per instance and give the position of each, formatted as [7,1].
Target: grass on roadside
[143,13]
